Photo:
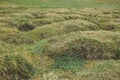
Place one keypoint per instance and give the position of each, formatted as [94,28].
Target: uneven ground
[59,43]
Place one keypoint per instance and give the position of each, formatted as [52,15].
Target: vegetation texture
[59,39]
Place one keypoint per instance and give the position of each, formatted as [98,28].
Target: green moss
[68,62]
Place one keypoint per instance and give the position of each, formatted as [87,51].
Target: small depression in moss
[26,27]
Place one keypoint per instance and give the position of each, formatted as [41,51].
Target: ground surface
[59,40]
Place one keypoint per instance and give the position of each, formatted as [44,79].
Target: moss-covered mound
[90,44]
[15,67]
[59,43]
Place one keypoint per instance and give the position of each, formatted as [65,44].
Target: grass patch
[66,3]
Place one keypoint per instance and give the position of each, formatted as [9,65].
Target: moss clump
[15,67]
[68,62]
[44,21]
[59,28]
[90,45]
[111,26]
[15,37]
[18,39]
